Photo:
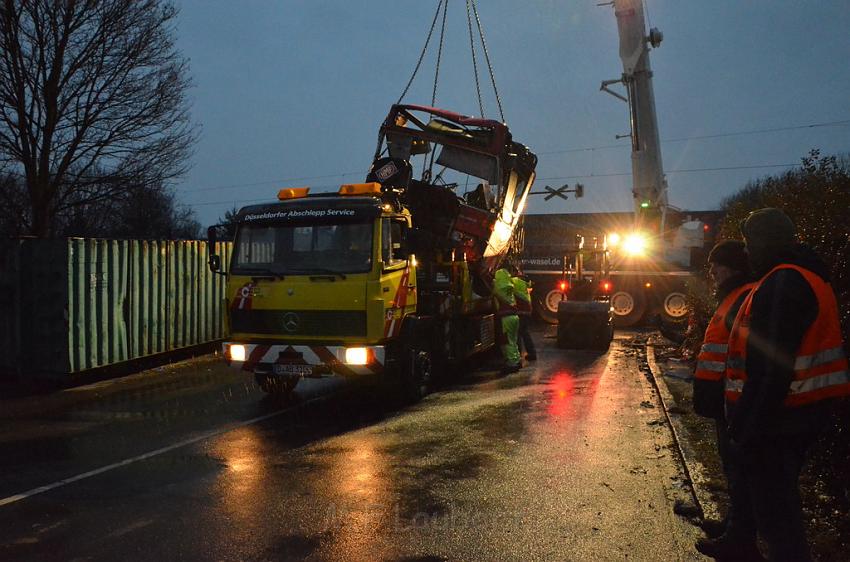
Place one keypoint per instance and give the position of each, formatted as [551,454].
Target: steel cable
[474,61]
[439,54]
[487,58]
[422,54]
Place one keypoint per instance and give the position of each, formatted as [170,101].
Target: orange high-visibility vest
[711,361]
[820,367]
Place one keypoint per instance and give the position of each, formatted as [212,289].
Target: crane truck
[654,249]
[389,277]
[639,283]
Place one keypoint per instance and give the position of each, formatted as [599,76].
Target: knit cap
[731,253]
[769,227]
[769,234]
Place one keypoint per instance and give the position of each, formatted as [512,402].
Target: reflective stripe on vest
[715,347]
[799,387]
[820,367]
[810,361]
[711,361]
[714,366]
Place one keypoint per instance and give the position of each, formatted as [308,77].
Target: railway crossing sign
[561,192]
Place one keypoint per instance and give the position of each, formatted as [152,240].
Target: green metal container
[10,331]
[80,304]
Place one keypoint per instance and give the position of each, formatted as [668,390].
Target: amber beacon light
[371,188]
[292,193]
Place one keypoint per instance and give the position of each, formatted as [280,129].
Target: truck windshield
[303,249]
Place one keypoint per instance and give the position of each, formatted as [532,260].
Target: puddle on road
[293,547]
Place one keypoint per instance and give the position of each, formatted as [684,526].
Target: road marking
[145,456]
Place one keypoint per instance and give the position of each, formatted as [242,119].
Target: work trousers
[740,525]
[770,493]
[510,351]
[525,336]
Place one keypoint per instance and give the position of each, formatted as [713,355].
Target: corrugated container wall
[82,304]
[9,305]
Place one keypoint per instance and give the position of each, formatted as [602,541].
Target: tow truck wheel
[547,306]
[676,306]
[628,307]
[418,375]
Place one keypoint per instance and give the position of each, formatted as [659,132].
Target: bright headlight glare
[237,352]
[613,239]
[355,356]
[635,244]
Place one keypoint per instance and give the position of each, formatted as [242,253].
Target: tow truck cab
[318,284]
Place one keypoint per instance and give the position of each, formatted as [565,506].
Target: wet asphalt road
[566,460]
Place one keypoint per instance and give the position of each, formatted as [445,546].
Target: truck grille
[332,323]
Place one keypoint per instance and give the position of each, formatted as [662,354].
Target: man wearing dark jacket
[730,271]
[785,361]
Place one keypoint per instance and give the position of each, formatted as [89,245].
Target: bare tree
[14,218]
[145,211]
[229,221]
[92,100]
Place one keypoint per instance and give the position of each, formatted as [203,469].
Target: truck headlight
[635,244]
[236,352]
[356,356]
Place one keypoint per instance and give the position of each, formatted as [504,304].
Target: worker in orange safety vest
[730,272]
[785,362]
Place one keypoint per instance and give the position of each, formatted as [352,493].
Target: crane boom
[649,186]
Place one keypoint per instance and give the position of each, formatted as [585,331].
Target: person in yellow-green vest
[506,311]
[522,293]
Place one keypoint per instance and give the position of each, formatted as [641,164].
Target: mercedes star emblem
[290,322]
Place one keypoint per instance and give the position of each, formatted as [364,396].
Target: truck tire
[675,305]
[628,306]
[417,375]
[546,306]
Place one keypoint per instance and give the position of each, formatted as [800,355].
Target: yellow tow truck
[388,277]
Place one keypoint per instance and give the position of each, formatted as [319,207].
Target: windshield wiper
[259,272]
[316,270]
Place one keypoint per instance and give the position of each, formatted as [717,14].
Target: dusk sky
[291,93]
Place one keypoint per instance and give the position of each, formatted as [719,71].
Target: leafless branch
[91,91]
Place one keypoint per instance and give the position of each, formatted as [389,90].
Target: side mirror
[214,261]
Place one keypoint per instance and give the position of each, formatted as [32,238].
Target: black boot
[714,528]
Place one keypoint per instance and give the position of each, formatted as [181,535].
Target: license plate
[293,370]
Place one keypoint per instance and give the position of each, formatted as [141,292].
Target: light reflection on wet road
[556,462]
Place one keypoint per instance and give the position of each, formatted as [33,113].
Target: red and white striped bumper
[264,356]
